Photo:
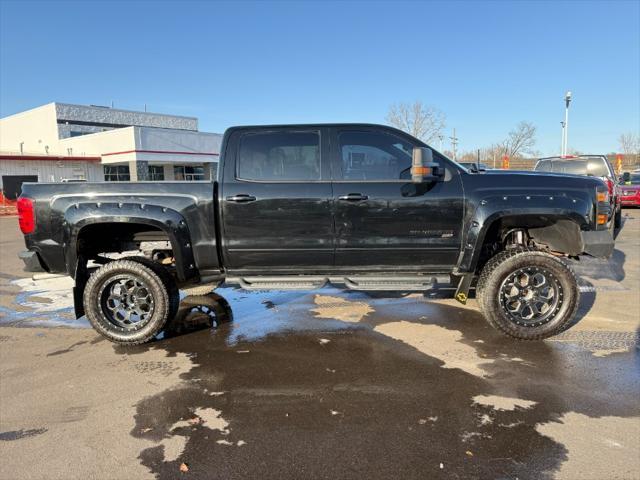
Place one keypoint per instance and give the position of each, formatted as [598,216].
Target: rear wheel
[167,279]
[127,302]
[527,294]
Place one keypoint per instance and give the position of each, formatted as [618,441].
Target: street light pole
[562,141]
[567,101]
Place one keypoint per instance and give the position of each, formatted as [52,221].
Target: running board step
[364,282]
[413,283]
[280,282]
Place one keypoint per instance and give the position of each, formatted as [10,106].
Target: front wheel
[127,302]
[617,222]
[528,294]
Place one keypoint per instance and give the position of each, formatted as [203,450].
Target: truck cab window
[374,156]
[279,156]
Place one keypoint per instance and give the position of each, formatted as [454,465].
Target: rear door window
[291,156]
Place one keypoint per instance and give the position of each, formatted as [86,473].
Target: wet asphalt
[325,384]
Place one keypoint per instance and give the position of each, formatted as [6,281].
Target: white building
[58,141]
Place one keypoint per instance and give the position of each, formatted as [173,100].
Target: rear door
[276,201]
[383,220]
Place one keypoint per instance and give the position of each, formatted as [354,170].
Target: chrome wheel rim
[126,302]
[531,296]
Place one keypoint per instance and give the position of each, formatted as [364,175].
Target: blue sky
[486,65]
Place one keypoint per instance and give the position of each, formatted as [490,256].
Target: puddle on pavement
[41,303]
[377,400]
[344,384]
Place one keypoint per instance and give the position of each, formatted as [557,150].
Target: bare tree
[493,154]
[629,143]
[520,140]
[423,122]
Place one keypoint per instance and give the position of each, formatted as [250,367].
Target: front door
[276,201]
[383,220]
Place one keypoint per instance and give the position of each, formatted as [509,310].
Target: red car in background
[591,166]
[630,190]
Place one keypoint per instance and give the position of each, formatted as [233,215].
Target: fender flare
[80,215]
[493,209]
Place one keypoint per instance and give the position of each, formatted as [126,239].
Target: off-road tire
[99,317]
[617,219]
[504,264]
[167,279]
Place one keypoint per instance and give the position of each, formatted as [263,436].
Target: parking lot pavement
[323,384]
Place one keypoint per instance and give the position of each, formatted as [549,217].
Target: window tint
[374,156]
[280,156]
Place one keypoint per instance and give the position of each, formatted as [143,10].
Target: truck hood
[510,179]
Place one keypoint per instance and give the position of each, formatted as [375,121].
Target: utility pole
[567,101]
[454,143]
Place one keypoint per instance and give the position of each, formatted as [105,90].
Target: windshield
[594,166]
[633,180]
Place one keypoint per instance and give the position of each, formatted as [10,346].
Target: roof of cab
[323,125]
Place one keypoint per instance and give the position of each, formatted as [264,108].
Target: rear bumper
[598,243]
[31,261]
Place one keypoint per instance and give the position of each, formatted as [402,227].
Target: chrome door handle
[353,197]
[241,198]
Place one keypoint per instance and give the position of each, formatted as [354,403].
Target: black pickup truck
[300,206]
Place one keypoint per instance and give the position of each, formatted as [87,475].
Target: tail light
[26,215]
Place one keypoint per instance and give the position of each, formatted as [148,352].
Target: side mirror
[626,177]
[476,168]
[423,168]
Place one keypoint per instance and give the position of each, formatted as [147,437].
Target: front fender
[518,210]
[80,215]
